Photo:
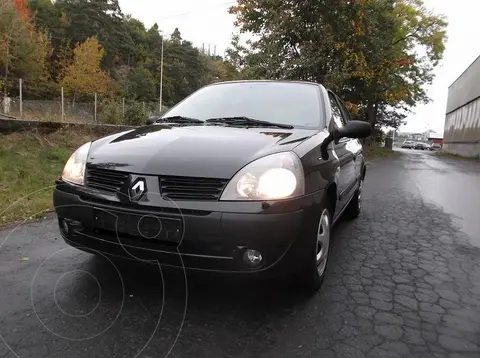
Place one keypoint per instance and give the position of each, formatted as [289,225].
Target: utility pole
[63,106]
[21,97]
[95,113]
[161,79]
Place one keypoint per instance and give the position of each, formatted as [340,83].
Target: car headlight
[276,176]
[74,171]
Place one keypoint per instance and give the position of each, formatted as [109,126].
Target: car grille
[188,188]
[105,179]
[171,187]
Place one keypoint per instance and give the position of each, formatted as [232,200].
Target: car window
[336,112]
[297,104]
[345,111]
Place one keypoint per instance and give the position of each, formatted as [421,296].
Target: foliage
[84,75]
[135,114]
[131,52]
[140,85]
[110,112]
[23,50]
[22,10]
[377,54]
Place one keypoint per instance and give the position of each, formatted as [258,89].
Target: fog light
[74,223]
[253,257]
[69,224]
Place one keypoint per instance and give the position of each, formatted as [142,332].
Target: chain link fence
[100,110]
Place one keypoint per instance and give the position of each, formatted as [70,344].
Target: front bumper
[185,236]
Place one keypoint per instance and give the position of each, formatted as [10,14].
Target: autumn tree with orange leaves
[23,50]
[377,54]
[22,10]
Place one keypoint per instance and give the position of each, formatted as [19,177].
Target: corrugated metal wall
[466,88]
[462,122]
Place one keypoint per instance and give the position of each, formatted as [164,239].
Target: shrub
[135,114]
[111,112]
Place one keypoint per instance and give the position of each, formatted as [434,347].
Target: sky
[207,22]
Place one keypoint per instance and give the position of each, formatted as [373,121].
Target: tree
[23,50]
[22,10]
[141,85]
[404,44]
[10,26]
[84,76]
[102,19]
[185,67]
[375,53]
[131,52]
[176,37]
[31,57]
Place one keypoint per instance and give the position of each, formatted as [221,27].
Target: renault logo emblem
[137,189]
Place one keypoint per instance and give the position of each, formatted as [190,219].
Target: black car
[420,146]
[241,177]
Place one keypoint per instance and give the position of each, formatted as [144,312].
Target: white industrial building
[462,122]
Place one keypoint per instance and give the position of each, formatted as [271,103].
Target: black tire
[354,208]
[312,275]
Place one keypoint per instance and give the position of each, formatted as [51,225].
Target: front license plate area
[148,227]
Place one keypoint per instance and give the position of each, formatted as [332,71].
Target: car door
[345,156]
[355,147]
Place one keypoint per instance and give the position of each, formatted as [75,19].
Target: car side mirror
[353,129]
[151,120]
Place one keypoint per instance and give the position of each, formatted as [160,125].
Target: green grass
[29,164]
[375,152]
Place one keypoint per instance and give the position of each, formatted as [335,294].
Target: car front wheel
[316,265]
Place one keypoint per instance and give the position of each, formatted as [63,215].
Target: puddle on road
[454,187]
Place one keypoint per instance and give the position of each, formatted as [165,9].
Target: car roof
[265,81]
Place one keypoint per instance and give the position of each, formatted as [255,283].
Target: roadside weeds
[374,153]
[29,164]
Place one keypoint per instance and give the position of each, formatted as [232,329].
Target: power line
[192,12]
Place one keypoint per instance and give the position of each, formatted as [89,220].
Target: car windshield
[290,103]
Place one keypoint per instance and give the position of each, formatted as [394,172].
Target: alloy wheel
[359,195]
[323,242]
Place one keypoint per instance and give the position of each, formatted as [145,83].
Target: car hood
[198,150]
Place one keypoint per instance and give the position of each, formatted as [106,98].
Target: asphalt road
[403,280]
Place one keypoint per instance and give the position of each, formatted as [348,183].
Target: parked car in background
[408,144]
[240,177]
[434,146]
[420,146]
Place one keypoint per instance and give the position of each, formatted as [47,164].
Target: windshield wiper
[248,122]
[178,119]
